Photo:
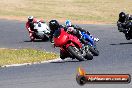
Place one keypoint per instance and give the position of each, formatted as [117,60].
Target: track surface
[115,57]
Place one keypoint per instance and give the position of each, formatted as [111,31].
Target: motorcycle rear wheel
[89,56]
[76,53]
[45,39]
[127,37]
[94,51]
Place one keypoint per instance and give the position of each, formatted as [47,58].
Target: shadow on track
[63,61]
[37,41]
[122,43]
[69,61]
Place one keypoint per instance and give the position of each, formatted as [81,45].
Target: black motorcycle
[128,34]
[127,30]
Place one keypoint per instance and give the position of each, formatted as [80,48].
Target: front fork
[84,50]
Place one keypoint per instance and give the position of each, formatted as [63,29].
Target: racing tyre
[45,39]
[127,37]
[89,56]
[94,51]
[75,52]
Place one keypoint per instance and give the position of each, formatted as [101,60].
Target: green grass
[19,56]
[83,10]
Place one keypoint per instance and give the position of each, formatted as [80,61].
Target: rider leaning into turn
[30,25]
[54,25]
[77,30]
[123,22]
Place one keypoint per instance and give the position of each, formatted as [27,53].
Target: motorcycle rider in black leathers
[79,29]
[54,25]
[123,22]
[76,27]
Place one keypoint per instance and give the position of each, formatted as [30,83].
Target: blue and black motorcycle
[91,43]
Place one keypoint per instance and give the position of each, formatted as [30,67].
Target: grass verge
[19,56]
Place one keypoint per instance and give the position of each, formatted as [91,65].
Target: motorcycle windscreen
[45,28]
[60,37]
[40,28]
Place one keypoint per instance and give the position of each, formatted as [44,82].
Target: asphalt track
[115,57]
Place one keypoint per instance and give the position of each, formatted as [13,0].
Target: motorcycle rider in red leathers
[30,26]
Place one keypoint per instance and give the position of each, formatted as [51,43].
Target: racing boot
[96,39]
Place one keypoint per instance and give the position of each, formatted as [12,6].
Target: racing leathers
[124,24]
[76,30]
[30,27]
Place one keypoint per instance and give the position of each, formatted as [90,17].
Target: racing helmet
[68,23]
[30,18]
[122,15]
[54,25]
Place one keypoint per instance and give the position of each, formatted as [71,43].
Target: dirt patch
[47,20]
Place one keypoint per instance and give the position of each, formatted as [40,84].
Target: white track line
[12,65]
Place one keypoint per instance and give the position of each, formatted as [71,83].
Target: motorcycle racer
[68,25]
[123,22]
[54,25]
[30,25]
[55,28]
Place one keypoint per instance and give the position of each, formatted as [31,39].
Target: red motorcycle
[70,46]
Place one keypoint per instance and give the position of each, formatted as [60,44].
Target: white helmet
[30,18]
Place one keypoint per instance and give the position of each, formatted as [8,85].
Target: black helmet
[54,25]
[122,15]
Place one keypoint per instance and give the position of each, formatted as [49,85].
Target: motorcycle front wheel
[75,52]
